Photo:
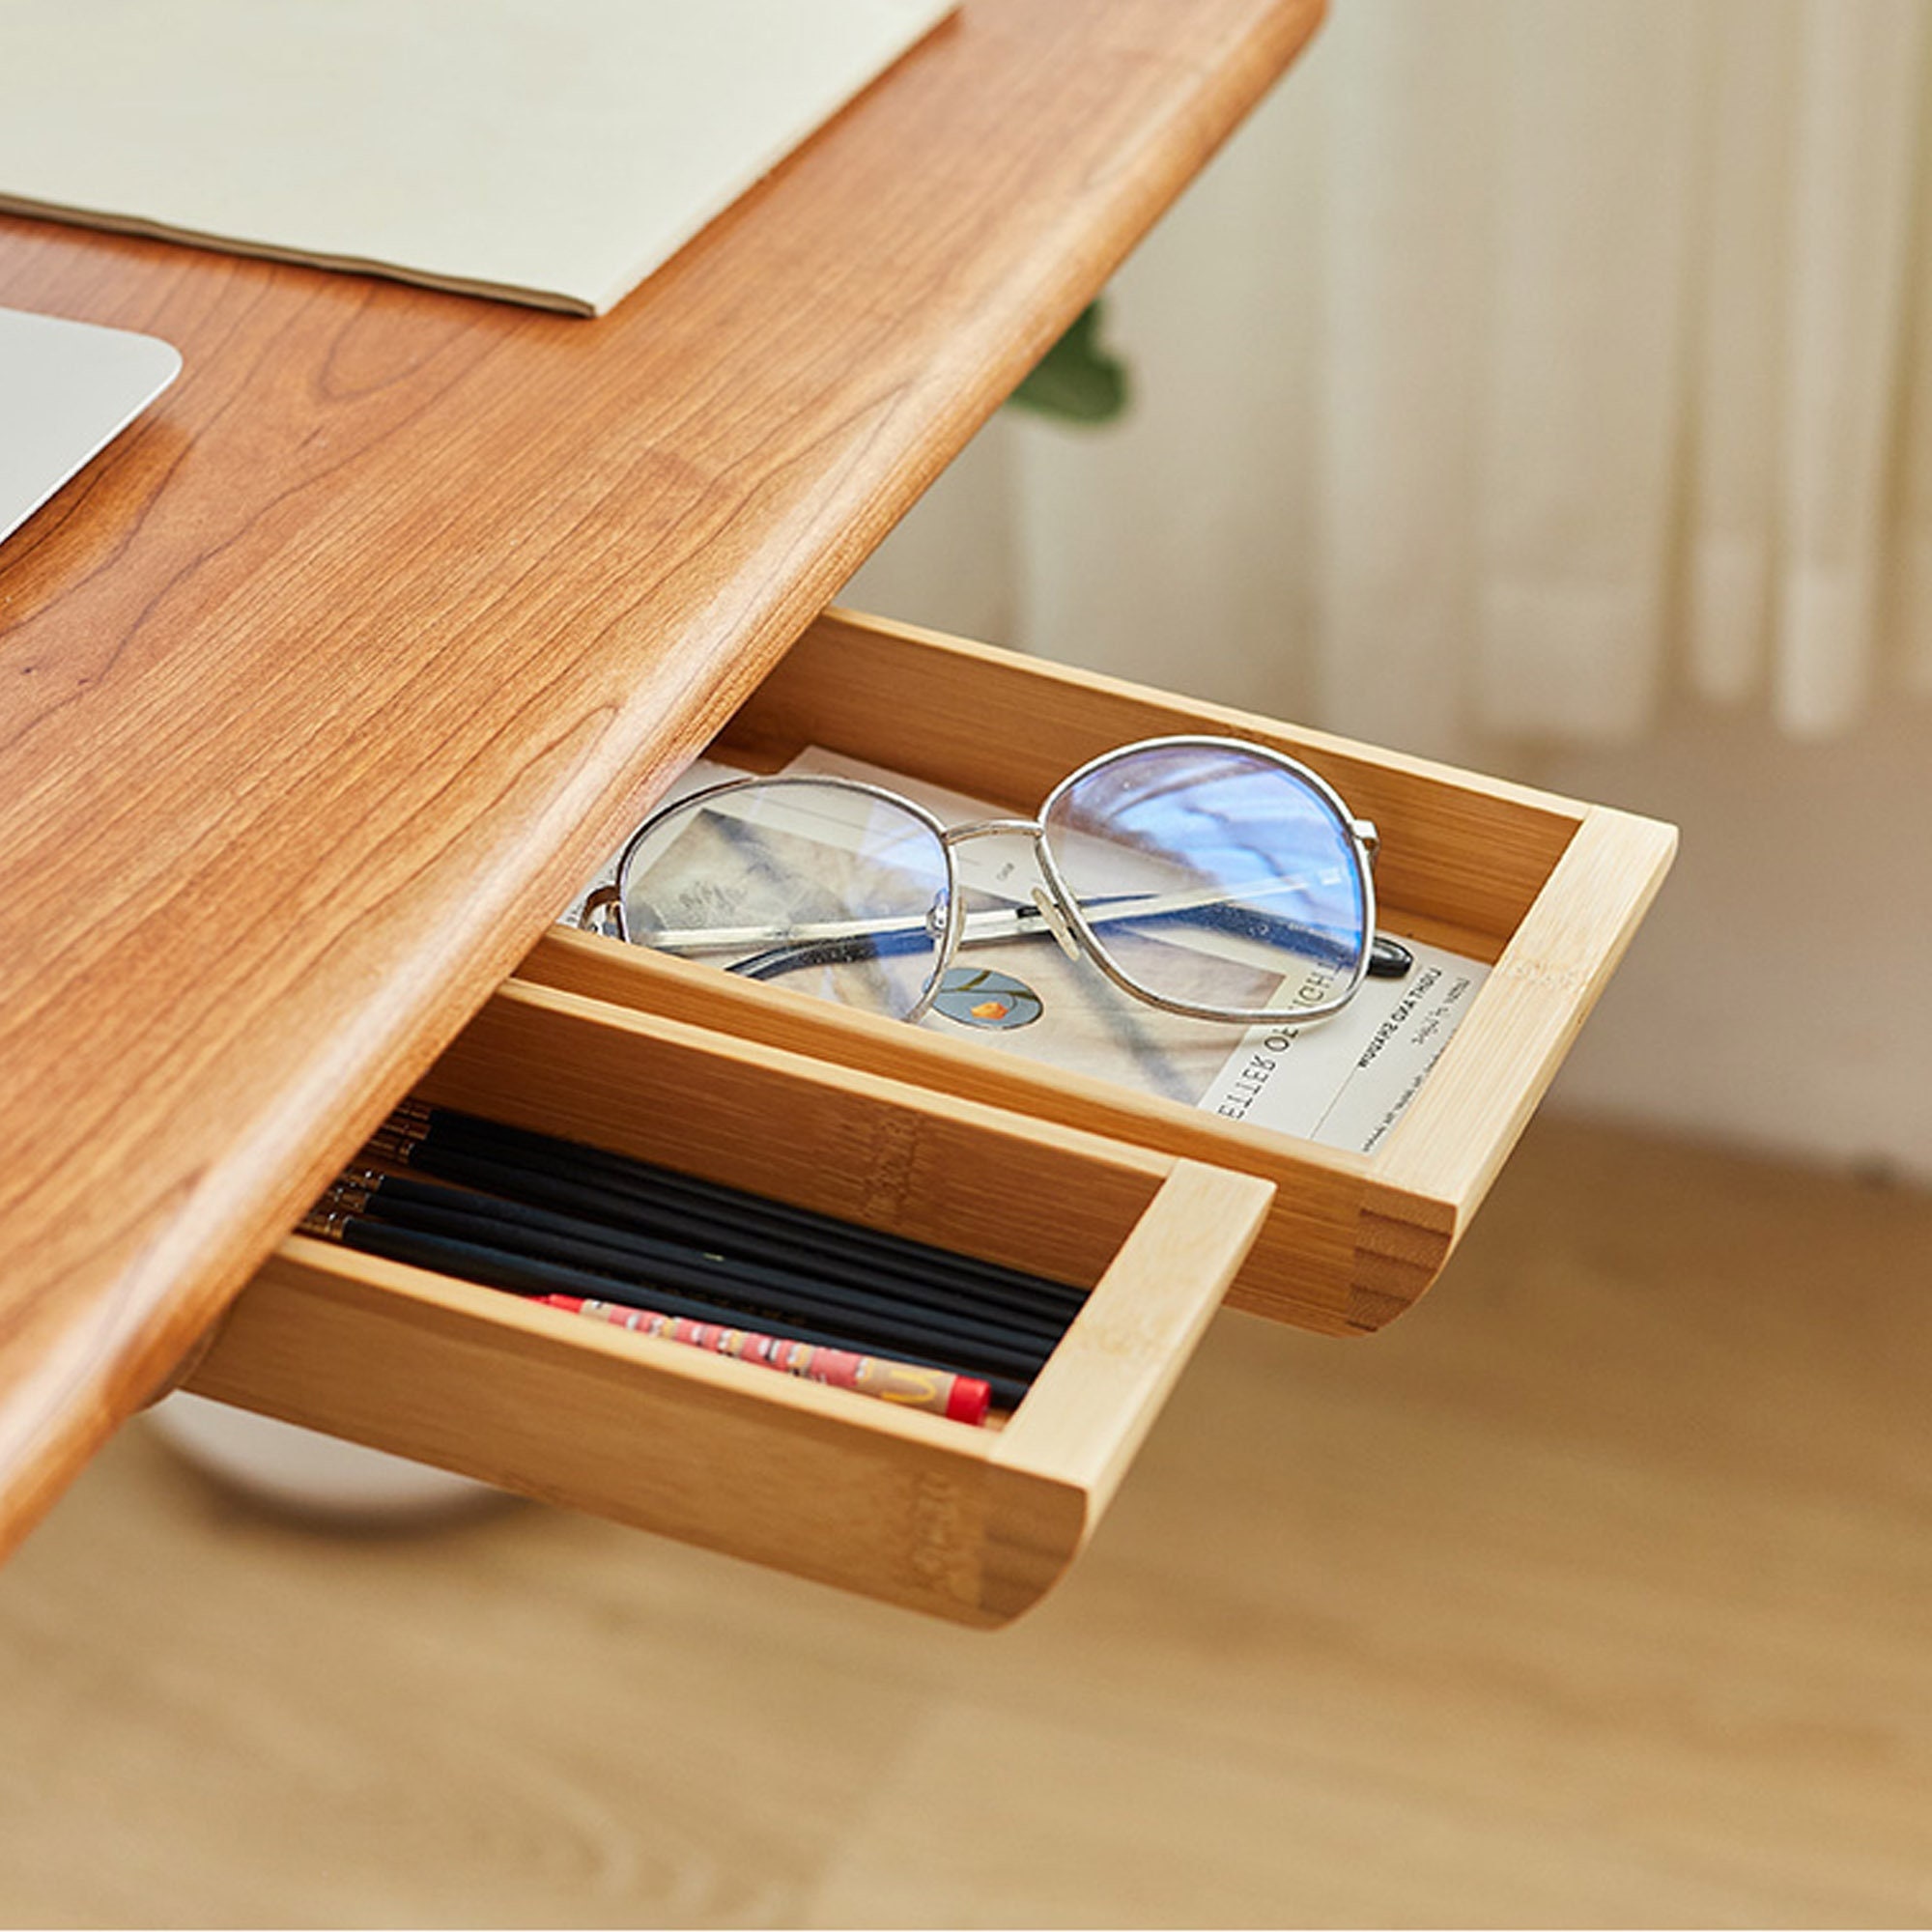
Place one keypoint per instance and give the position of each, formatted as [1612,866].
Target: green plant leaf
[1077,380]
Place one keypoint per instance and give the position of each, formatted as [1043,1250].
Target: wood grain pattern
[321,692]
[974,1524]
[1548,889]
[1594,1593]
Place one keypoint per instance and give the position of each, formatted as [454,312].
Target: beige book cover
[552,152]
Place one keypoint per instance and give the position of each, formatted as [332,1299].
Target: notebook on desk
[552,152]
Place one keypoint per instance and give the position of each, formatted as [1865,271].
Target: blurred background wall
[1546,387]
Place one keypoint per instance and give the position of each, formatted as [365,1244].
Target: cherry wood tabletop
[322,692]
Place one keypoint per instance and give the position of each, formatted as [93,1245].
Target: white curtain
[1522,364]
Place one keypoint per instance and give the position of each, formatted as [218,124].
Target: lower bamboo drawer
[1544,891]
[970,1523]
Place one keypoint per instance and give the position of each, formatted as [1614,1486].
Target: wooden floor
[1598,1591]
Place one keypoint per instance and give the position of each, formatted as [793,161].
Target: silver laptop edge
[67,390]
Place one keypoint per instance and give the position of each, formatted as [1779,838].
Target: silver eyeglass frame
[1059,913]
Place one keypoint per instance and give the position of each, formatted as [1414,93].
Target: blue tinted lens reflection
[1215,877]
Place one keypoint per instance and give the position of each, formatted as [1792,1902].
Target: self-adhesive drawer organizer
[1162,1209]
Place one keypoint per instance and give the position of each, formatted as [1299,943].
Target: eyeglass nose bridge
[1044,905]
[1047,902]
[994,828]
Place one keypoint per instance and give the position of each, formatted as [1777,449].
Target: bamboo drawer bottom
[970,1523]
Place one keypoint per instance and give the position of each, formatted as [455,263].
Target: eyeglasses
[1204,876]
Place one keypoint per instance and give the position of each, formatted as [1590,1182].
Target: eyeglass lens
[840,891]
[1213,876]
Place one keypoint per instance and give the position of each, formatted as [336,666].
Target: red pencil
[939,1391]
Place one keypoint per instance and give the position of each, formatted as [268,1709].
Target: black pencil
[642,1181]
[581,1208]
[932,1276]
[634,1265]
[497,1267]
[944,1305]
[643,1187]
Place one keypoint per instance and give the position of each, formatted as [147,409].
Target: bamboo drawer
[970,1523]
[1544,890]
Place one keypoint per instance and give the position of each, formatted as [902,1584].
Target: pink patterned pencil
[939,1391]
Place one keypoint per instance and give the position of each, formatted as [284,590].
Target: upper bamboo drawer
[1545,890]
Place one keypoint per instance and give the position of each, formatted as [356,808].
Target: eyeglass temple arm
[1388,959]
[1206,903]
[845,942]
[782,959]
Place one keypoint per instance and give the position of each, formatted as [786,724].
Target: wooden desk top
[326,688]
